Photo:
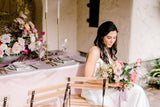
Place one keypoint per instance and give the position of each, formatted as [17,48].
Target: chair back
[38,97]
[83,83]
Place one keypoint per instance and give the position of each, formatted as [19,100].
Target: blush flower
[133,76]
[8,51]
[35,30]
[32,46]
[4,46]
[119,64]
[1,52]
[41,54]
[6,38]
[27,26]
[31,24]
[26,32]
[23,16]
[16,48]
[20,21]
[21,41]
[32,37]
[117,71]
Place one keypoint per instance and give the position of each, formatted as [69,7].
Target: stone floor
[153,95]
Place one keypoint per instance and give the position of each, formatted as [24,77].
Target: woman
[104,51]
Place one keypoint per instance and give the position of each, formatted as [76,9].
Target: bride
[105,51]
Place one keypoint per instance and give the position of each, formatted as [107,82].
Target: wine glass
[64,45]
[40,55]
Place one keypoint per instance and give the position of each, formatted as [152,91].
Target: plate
[17,67]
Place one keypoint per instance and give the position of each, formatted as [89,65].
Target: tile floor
[153,95]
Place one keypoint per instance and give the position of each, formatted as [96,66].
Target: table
[16,85]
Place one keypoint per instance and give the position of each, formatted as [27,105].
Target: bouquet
[21,37]
[118,72]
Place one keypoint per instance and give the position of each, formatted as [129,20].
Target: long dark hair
[103,30]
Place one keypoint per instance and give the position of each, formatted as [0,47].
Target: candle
[46,6]
[58,9]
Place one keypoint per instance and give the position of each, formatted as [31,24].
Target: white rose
[32,38]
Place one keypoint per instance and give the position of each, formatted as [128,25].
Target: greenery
[155,73]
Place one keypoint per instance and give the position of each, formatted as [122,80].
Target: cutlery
[33,66]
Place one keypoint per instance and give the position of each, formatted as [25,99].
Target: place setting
[19,67]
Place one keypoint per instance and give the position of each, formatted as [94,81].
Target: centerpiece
[21,38]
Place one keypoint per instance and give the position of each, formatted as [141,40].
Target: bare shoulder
[94,52]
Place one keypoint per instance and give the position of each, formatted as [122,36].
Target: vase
[9,58]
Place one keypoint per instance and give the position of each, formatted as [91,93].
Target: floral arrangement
[21,37]
[116,72]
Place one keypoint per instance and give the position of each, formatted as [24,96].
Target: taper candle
[58,9]
[46,6]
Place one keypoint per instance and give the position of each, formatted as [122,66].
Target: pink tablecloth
[16,86]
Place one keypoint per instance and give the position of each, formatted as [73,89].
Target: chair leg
[32,99]
[5,102]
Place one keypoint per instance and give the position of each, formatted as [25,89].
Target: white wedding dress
[135,97]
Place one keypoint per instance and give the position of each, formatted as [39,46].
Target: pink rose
[119,64]
[38,49]
[43,33]
[41,39]
[127,67]
[25,51]
[133,76]
[35,30]
[125,78]
[26,32]
[139,61]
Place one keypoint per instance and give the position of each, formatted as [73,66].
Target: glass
[64,45]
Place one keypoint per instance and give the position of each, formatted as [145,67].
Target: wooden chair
[75,100]
[38,97]
[4,102]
